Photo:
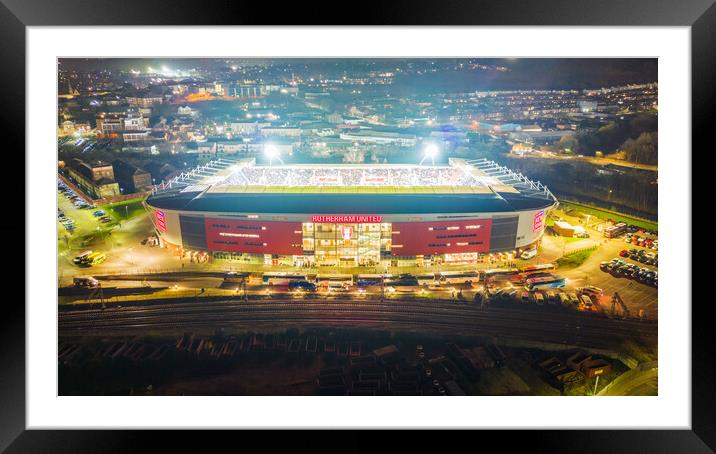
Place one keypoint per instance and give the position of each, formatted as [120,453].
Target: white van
[528,254]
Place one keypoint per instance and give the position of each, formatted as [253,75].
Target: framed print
[434,217]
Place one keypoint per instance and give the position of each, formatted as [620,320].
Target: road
[592,160]
[570,329]
[634,383]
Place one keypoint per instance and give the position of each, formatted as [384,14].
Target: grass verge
[123,211]
[608,214]
[575,259]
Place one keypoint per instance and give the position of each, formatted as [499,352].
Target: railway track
[553,327]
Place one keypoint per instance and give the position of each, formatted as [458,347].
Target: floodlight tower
[272,153]
[430,152]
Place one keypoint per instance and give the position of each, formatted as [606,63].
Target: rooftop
[245,177]
[460,186]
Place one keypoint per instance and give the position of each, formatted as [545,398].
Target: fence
[236,294]
[582,249]
[123,198]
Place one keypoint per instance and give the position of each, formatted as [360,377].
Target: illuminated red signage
[538,221]
[347,219]
[161,221]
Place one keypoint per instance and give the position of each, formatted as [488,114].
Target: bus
[281,278]
[538,283]
[615,230]
[537,268]
[458,277]
[426,279]
[94,258]
[331,280]
[403,280]
[369,280]
[236,277]
[506,273]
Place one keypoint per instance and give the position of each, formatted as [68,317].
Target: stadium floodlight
[430,152]
[272,153]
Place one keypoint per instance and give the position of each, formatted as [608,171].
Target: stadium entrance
[346,244]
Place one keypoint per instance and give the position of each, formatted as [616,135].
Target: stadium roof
[460,187]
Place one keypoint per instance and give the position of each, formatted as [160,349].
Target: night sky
[527,73]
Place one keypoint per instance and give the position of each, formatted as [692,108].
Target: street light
[272,153]
[430,152]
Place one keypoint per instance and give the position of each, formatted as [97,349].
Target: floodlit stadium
[350,215]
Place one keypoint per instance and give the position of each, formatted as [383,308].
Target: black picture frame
[16,15]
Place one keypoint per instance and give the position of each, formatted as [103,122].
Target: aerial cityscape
[354,226]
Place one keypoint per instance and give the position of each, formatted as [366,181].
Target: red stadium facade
[254,237]
[442,237]
[366,224]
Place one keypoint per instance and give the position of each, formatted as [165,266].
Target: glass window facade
[346,244]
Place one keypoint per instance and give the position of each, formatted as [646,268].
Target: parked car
[592,290]
[586,302]
[302,286]
[550,296]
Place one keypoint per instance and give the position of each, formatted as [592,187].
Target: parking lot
[80,221]
[636,295]
[98,229]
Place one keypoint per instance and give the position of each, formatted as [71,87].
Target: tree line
[636,137]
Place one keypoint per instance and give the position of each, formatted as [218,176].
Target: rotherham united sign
[347,219]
